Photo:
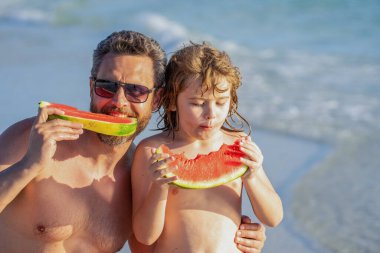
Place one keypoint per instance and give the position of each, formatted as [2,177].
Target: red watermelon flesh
[206,171]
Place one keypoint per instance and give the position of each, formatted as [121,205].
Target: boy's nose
[210,112]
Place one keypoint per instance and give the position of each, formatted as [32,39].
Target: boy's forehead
[197,87]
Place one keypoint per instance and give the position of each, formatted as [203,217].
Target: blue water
[310,68]
[299,59]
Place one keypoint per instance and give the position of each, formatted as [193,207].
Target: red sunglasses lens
[100,91]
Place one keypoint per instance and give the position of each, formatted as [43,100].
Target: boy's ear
[173,108]
[157,99]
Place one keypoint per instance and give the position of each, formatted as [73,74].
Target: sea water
[310,69]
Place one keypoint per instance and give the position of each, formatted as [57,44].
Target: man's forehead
[127,68]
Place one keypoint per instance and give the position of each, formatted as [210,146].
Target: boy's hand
[254,157]
[159,168]
[250,237]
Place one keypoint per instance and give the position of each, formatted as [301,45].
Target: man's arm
[27,148]
[13,176]
[250,237]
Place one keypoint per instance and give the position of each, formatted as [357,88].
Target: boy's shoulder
[156,140]
[233,136]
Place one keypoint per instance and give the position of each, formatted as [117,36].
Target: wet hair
[131,43]
[209,65]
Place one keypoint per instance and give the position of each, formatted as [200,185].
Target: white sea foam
[309,94]
[29,16]
[6,4]
[170,33]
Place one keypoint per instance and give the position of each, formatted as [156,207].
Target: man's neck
[103,155]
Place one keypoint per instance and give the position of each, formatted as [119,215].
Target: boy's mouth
[207,127]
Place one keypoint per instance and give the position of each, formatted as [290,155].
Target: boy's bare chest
[223,197]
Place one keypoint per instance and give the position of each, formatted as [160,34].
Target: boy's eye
[197,102]
[222,102]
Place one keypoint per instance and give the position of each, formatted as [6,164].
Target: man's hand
[44,136]
[250,237]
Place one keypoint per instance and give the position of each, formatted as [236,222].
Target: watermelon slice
[206,171]
[97,122]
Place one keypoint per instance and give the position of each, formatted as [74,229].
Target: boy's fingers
[246,249]
[245,219]
[252,226]
[252,234]
[168,180]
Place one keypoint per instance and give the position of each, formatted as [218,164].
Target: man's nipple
[41,229]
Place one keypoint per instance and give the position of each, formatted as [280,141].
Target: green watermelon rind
[107,128]
[99,126]
[209,184]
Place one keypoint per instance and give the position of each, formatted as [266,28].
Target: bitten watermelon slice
[97,122]
[206,171]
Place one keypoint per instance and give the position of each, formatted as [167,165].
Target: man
[63,189]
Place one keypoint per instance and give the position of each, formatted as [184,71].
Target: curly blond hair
[208,64]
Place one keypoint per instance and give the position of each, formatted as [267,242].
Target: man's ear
[91,83]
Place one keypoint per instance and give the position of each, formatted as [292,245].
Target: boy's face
[202,115]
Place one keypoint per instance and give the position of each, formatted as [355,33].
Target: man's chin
[115,140]
[142,122]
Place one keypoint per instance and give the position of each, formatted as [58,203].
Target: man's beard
[142,122]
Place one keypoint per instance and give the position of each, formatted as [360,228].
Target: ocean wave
[315,95]
[172,34]
[327,95]
[28,16]
[168,32]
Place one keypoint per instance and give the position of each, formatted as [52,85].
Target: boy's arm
[265,201]
[150,192]
[137,247]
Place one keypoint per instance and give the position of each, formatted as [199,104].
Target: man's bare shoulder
[14,141]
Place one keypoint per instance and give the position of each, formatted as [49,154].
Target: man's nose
[119,99]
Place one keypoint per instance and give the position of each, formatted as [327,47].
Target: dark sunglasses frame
[114,86]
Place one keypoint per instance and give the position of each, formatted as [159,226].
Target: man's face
[125,69]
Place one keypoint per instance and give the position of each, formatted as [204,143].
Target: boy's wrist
[160,189]
[250,175]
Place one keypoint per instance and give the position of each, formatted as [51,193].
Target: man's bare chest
[97,213]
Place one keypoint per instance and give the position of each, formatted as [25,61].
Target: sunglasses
[134,93]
